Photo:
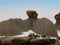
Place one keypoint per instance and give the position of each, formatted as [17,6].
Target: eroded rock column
[57,24]
[32,17]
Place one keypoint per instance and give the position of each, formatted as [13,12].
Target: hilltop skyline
[17,8]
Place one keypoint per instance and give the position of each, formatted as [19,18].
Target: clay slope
[57,18]
[45,27]
[11,27]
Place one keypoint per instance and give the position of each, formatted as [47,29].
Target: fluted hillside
[11,27]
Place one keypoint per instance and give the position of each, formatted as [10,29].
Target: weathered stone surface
[45,27]
[6,40]
[57,43]
[57,16]
[20,40]
[57,24]
[32,17]
[31,13]
[26,41]
[11,27]
[41,26]
[15,26]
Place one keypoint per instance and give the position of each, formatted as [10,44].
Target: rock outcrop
[57,24]
[45,27]
[42,26]
[11,27]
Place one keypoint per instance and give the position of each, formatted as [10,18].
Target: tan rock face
[45,27]
[7,40]
[57,16]
[57,24]
[12,27]
[31,13]
[15,26]
[32,17]
[41,26]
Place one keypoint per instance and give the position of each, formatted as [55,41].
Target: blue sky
[28,2]
[17,8]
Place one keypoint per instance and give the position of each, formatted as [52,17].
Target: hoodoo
[41,26]
[57,24]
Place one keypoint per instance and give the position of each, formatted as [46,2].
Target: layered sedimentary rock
[15,26]
[57,24]
[7,40]
[27,41]
[41,26]
[45,27]
[32,20]
[11,27]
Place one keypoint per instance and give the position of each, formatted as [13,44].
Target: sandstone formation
[32,18]
[57,24]
[42,26]
[7,40]
[45,27]
[11,27]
